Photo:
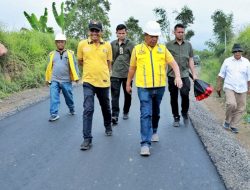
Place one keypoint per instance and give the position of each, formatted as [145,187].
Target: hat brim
[94,27]
[237,50]
[153,33]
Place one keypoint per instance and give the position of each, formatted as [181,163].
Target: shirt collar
[150,48]
[124,42]
[175,42]
[233,59]
[62,52]
[91,42]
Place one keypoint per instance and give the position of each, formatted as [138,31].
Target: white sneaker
[155,138]
[145,151]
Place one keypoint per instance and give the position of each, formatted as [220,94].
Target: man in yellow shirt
[95,56]
[149,61]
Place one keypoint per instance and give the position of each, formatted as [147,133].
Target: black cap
[95,25]
[237,47]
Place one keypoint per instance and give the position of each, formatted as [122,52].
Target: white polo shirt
[236,74]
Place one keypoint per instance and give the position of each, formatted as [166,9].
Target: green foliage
[24,65]
[244,40]
[41,24]
[135,32]
[85,10]
[161,14]
[210,69]
[189,34]
[185,17]
[60,19]
[223,28]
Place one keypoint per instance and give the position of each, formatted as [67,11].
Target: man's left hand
[194,77]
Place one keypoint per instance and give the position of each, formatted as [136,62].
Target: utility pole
[225,41]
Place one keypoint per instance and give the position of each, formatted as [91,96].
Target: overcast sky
[11,13]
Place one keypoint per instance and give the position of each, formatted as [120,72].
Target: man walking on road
[183,54]
[95,55]
[235,71]
[121,49]
[61,71]
[149,61]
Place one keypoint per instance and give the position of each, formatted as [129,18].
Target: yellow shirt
[150,65]
[95,62]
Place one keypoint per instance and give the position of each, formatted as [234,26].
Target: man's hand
[194,77]
[178,82]
[47,83]
[218,90]
[129,89]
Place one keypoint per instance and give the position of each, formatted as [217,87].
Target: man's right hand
[48,83]
[129,89]
[218,90]
[178,82]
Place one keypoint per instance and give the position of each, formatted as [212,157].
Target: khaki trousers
[235,106]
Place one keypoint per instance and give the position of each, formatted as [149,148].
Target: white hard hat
[60,37]
[152,28]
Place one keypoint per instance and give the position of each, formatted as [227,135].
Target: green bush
[24,65]
[244,40]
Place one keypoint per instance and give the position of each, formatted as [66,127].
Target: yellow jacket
[150,65]
[73,72]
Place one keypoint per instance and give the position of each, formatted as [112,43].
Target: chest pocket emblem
[160,50]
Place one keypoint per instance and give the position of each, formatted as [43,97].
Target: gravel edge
[230,158]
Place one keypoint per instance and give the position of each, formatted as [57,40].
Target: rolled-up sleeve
[222,72]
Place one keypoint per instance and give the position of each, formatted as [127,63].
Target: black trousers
[184,92]
[115,94]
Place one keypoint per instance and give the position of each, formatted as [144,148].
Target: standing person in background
[149,61]
[61,71]
[121,50]
[235,71]
[183,54]
[95,55]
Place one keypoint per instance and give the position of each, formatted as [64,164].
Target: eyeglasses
[94,30]
[237,51]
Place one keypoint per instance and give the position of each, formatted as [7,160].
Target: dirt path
[216,106]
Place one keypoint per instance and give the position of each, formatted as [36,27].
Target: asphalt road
[38,155]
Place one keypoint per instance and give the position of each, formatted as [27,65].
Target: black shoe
[234,130]
[176,122]
[86,145]
[185,116]
[125,116]
[114,120]
[109,132]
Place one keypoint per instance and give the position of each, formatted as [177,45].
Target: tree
[135,32]
[60,19]
[223,29]
[186,17]
[41,24]
[163,21]
[76,24]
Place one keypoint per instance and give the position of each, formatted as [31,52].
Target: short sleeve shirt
[95,62]
[181,53]
[236,74]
